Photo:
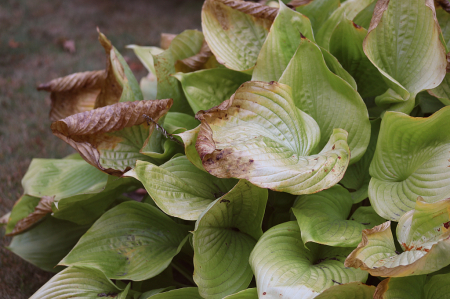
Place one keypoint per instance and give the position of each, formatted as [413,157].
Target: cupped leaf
[318,11]
[281,43]
[120,84]
[357,176]
[145,55]
[124,238]
[404,43]
[364,17]
[423,234]
[189,139]
[77,282]
[323,95]
[23,207]
[259,135]
[48,242]
[322,218]
[245,294]
[442,92]
[284,267]
[74,93]
[111,138]
[349,9]
[208,88]
[353,290]
[235,30]
[224,236]
[346,45]
[179,188]
[176,122]
[410,160]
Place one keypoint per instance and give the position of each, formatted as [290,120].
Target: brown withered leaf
[74,93]
[43,208]
[198,61]
[111,138]
[257,10]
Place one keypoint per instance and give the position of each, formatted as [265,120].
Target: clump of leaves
[272,148]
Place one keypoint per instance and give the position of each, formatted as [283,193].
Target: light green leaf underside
[77,282]
[131,90]
[272,139]
[234,37]
[318,11]
[282,265]
[149,87]
[334,66]
[423,235]
[176,122]
[145,55]
[47,243]
[245,294]
[179,188]
[357,176]
[324,96]
[442,92]
[346,45]
[183,293]
[183,46]
[22,208]
[348,9]
[189,139]
[224,236]
[322,218]
[281,43]
[124,238]
[405,46]
[208,88]
[411,159]
[353,290]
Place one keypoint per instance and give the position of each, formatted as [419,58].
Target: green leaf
[281,43]
[284,267]
[184,45]
[322,218]
[346,45]
[176,122]
[77,282]
[357,176]
[442,92]
[364,17]
[234,37]
[224,236]
[262,132]
[349,9]
[423,235]
[410,160]
[179,188]
[124,238]
[183,293]
[443,18]
[47,243]
[189,139]
[334,66]
[353,290]
[145,55]
[318,11]
[149,87]
[403,42]
[323,95]
[22,208]
[208,88]
[401,287]
[245,294]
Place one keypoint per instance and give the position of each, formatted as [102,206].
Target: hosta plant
[288,150]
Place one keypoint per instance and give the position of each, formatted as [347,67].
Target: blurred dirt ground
[37,43]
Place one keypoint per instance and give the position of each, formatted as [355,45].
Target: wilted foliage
[317,160]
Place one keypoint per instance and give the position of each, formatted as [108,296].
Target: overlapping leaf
[353,290]
[48,242]
[235,30]
[23,207]
[410,160]
[404,43]
[322,218]
[285,268]
[324,96]
[111,138]
[224,236]
[259,135]
[78,282]
[179,188]
[423,234]
[318,11]
[208,88]
[124,238]
[191,293]
[245,294]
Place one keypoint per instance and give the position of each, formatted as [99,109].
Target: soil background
[36,45]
